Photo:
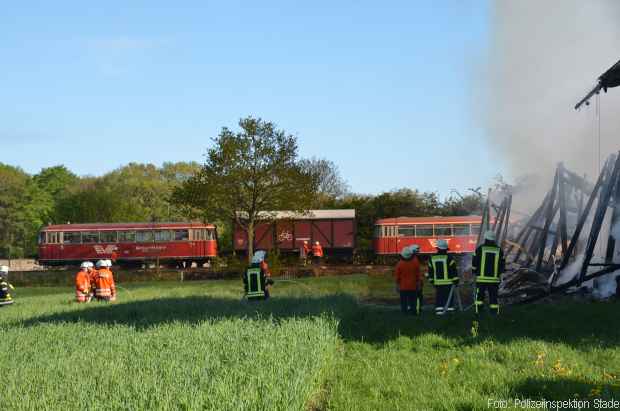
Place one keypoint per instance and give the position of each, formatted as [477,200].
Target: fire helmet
[406,253]
[490,235]
[259,256]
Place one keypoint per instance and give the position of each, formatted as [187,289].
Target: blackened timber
[582,220]
[571,283]
[615,219]
[597,222]
[506,220]
[499,221]
[562,201]
[485,218]
[549,218]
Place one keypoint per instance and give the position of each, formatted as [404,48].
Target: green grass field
[315,345]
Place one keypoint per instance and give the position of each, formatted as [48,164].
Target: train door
[198,239]
[390,232]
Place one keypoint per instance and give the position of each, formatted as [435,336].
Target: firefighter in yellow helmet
[488,265]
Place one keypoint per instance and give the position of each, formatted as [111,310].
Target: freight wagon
[128,243]
[391,235]
[286,232]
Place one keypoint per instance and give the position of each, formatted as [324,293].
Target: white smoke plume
[545,55]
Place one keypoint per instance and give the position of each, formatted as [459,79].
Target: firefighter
[442,273]
[257,278]
[409,280]
[487,266]
[82,283]
[105,289]
[317,253]
[5,287]
[304,252]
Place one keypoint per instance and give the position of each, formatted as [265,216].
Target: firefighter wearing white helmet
[83,283]
[257,278]
[408,277]
[488,266]
[443,274]
[103,282]
[5,287]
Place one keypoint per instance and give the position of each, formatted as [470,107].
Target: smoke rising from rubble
[544,57]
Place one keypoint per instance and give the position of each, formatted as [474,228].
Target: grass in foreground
[172,345]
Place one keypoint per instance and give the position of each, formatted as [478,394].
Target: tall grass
[315,345]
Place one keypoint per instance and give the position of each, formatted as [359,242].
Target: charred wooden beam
[597,222]
[506,220]
[615,219]
[562,200]
[582,220]
[572,283]
[548,219]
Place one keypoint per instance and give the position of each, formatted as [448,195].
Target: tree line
[246,173]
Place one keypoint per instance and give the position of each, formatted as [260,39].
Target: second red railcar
[393,234]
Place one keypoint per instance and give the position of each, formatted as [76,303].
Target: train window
[424,230]
[443,230]
[475,229]
[145,236]
[90,237]
[108,237]
[201,235]
[406,231]
[377,231]
[181,235]
[126,236]
[52,238]
[72,237]
[461,229]
[163,235]
[41,238]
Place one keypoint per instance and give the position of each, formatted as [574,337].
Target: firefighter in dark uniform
[443,274]
[257,279]
[488,265]
[5,287]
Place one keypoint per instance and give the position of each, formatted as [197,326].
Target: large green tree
[24,207]
[135,192]
[331,185]
[249,173]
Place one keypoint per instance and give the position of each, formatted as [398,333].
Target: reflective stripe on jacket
[254,282]
[104,283]
[5,292]
[488,263]
[442,269]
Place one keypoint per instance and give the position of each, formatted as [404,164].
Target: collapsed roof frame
[606,194]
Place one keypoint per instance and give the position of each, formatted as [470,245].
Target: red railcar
[393,234]
[127,243]
[334,229]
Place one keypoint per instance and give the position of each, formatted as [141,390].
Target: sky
[383,89]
